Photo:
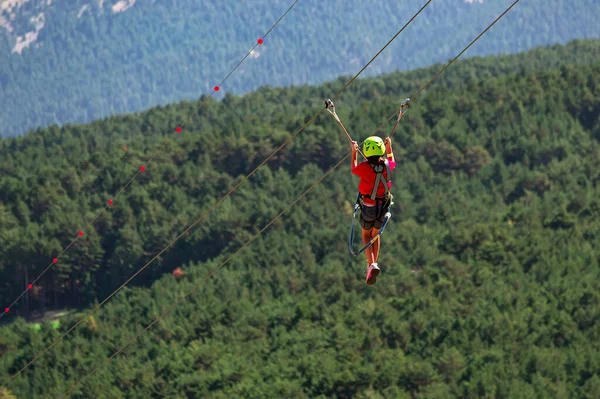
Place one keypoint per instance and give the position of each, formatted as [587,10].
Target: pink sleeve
[392,165]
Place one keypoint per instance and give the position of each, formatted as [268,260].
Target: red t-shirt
[367,180]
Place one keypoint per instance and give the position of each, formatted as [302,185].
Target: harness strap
[388,215]
[381,179]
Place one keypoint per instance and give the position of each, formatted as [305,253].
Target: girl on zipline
[375,183]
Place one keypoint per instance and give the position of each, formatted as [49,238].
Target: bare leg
[376,245]
[366,236]
[372,272]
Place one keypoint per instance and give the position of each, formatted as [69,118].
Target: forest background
[490,282]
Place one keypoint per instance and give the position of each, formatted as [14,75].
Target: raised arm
[388,149]
[354,146]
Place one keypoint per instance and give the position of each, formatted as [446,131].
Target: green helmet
[373,146]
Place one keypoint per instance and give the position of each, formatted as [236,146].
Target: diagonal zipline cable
[257,44]
[287,141]
[205,279]
[65,249]
[196,287]
[131,180]
[465,49]
[419,91]
[381,51]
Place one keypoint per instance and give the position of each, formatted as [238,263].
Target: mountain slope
[87,60]
[53,180]
[490,281]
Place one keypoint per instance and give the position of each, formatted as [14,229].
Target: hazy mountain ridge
[80,61]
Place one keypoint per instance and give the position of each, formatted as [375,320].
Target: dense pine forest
[74,61]
[490,273]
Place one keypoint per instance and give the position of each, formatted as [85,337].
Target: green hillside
[490,281]
[87,60]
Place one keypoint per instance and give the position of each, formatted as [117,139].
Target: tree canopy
[490,281]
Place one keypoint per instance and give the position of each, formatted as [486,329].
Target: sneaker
[372,273]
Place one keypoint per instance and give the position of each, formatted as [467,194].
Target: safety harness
[381,204]
[388,215]
[384,202]
[380,178]
[387,200]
